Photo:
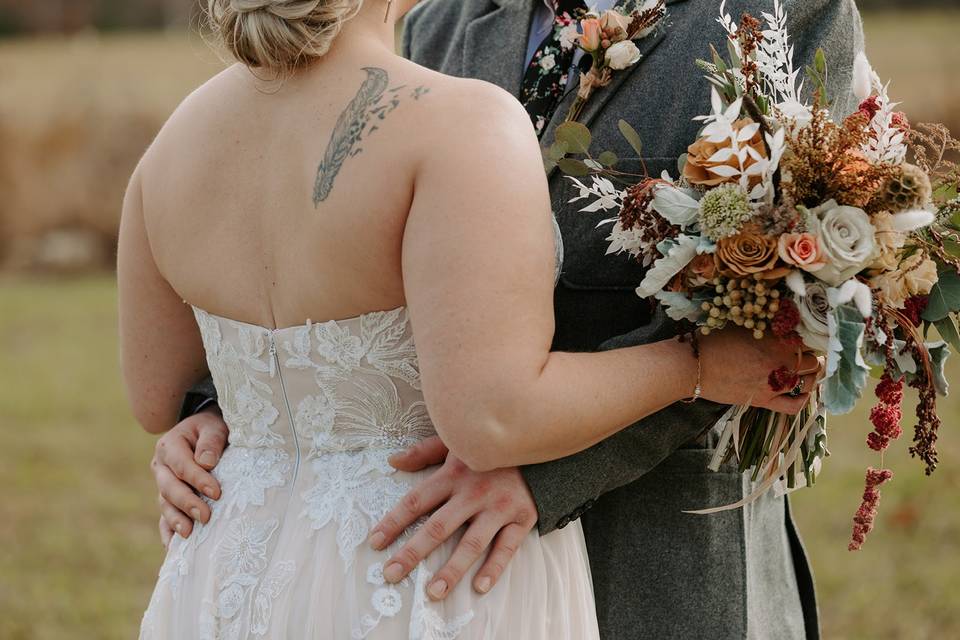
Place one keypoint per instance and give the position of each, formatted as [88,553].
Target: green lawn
[78,544]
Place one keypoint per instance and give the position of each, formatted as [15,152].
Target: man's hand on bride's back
[496,505]
[181,468]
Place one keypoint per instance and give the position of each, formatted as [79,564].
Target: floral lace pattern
[314,412]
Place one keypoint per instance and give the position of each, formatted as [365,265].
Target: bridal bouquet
[839,236]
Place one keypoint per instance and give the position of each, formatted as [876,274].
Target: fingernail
[208,491]
[377,540]
[483,584]
[208,458]
[178,527]
[393,572]
[438,589]
[394,460]
[195,513]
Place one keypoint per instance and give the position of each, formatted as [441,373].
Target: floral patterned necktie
[545,80]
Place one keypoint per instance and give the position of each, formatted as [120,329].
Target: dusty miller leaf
[844,386]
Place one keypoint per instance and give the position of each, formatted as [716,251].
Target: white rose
[920,273]
[548,62]
[568,37]
[623,55]
[814,307]
[847,238]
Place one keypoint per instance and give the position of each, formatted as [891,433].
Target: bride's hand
[736,368]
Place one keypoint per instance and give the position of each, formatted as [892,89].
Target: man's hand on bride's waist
[496,507]
[181,468]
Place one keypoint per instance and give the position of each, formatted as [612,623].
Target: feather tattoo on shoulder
[373,102]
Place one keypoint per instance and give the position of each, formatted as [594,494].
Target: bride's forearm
[571,402]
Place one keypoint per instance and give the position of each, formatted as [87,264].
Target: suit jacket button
[564,521]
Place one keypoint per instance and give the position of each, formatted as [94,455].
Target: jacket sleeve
[198,397]
[563,489]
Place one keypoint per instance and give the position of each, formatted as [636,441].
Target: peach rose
[801,250]
[592,34]
[697,168]
[615,24]
[746,253]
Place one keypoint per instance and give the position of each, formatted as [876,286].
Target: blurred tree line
[67,16]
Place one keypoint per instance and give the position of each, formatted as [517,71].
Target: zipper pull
[274,358]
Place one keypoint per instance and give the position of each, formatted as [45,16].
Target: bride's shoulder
[198,111]
[474,112]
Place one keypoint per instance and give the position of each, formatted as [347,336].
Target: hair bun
[279,35]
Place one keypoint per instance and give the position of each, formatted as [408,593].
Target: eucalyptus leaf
[608,159]
[574,167]
[632,137]
[576,136]
[848,371]
[947,328]
[945,296]
[558,149]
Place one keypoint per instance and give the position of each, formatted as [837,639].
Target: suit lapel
[495,44]
[601,96]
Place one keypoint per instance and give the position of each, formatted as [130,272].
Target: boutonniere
[610,40]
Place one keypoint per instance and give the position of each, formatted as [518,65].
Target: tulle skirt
[285,557]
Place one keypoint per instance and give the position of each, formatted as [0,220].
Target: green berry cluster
[750,303]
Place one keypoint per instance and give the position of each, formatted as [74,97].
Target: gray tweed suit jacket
[658,573]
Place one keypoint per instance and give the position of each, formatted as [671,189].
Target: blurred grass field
[78,544]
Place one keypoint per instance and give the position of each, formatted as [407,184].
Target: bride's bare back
[278,202]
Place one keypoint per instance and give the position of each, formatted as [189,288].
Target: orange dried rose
[697,168]
[746,253]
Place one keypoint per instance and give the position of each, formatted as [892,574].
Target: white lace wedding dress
[314,411]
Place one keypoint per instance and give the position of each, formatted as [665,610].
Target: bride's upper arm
[160,347]
[479,255]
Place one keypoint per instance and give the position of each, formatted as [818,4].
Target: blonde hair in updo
[279,35]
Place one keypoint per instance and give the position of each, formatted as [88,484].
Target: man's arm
[563,489]
[198,398]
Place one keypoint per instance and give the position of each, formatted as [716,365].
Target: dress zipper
[286,402]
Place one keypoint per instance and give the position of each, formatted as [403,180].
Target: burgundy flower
[786,320]
[899,120]
[877,442]
[869,107]
[782,379]
[863,520]
[914,308]
[890,391]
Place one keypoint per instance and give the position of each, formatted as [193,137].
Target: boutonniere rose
[610,40]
